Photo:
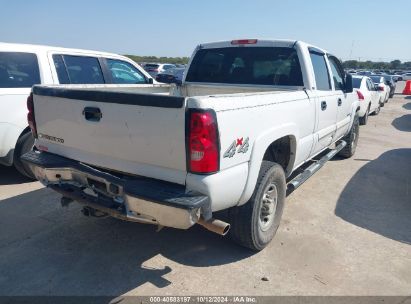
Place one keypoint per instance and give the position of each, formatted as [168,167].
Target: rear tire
[364,119]
[351,139]
[24,144]
[254,224]
[377,110]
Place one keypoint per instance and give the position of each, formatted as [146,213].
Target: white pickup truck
[248,114]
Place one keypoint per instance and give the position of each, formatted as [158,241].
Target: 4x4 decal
[239,143]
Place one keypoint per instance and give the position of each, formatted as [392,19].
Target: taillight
[381,88]
[30,115]
[244,41]
[203,146]
[360,95]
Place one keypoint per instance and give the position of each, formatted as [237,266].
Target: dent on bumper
[134,199]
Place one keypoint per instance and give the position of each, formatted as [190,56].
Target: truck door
[340,98]
[326,103]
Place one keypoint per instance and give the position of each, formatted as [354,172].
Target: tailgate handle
[92,114]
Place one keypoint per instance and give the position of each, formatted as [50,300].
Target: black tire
[364,119]
[24,144]
[248,229]
[377,110]
[351,139]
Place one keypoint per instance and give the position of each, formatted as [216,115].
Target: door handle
[92,114]
[339,102]
[323,105]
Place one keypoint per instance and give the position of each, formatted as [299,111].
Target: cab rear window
[247,65]
[18,70]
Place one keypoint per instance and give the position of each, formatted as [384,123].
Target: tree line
[372,65]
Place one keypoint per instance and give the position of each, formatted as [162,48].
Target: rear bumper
[137,199]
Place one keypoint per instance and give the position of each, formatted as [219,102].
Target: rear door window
[78,69]
[18,70]
[247,65]
[123,72]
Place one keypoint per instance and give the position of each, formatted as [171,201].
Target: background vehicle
[382,87]
[389,80]
[155,68]
[22,66]
[249,113]
[368,95]
[406,76]
[364,73]
[171,76]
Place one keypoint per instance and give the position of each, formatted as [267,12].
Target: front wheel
[254,224]
[351,139]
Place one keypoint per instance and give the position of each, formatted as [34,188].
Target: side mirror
[150,81]
[348,83]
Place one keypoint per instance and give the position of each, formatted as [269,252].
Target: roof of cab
[260,43]
[34,48]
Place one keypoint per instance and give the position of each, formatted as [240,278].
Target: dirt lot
[346,231]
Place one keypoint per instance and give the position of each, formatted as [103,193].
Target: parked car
[155,68]
[382,87]
[396,77]
[22,66]
[364,73]
[406,76]
[368,96]
[249,113]
[171,76]
[392,83]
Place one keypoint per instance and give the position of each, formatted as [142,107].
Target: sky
[352,29]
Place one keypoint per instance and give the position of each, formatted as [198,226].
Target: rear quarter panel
[248,124]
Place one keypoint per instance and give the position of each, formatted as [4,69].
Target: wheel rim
[268,207]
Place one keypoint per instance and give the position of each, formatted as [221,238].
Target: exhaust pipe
[215,226]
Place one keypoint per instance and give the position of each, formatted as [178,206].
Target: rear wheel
[254,224]
[377,110]
[24,144]
[351,139]
[364,119]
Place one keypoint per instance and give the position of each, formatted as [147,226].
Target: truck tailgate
[134,133]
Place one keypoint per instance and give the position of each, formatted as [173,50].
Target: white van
[23,65]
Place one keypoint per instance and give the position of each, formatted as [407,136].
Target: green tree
[395,64]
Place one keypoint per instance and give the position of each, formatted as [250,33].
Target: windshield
[356,82]
[376,79]
[247,65]
[151,66]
